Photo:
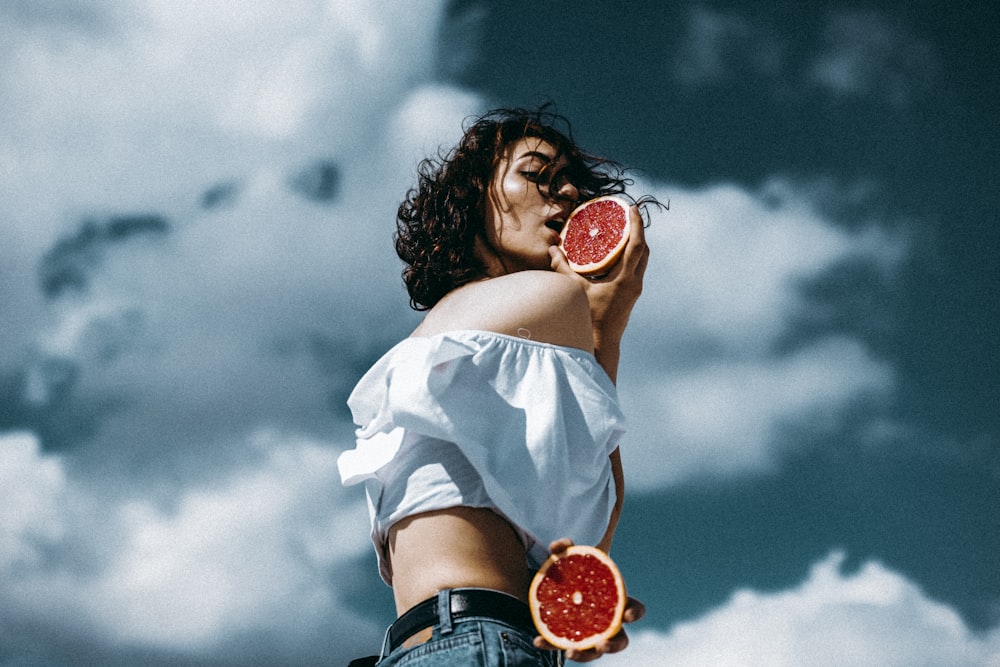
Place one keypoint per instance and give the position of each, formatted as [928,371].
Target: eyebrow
[536,154]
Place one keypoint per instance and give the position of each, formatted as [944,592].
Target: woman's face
[522,220]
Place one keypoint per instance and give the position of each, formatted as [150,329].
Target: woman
[489,437]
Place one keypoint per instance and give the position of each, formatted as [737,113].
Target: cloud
[429,120]
[252,299]
[32,491]
[716,372]
[146,101]
[198,266]
[719,47]
[727,418]
[730,262]
[851,54]
[257,311]
[254,550]
[873,616]
[261,551]
[866,55]
[199,201]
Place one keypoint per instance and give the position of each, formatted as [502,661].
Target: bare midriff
[453,548]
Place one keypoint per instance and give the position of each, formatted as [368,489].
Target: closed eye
[542,177]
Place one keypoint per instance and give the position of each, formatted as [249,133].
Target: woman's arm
[619,476]
[612,297]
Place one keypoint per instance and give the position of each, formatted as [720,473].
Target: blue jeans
[472,642]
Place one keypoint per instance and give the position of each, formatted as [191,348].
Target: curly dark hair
[438,222]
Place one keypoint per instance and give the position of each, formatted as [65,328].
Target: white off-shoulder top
[481,419]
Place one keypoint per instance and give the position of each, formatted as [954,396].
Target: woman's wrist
[607,351]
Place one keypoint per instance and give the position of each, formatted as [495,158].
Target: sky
[196,267]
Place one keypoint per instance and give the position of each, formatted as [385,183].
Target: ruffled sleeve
[394,395]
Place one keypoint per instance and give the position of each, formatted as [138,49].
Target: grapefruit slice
[577,598]
[595,234]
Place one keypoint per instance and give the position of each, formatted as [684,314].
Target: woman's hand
[634,610]
[613,295]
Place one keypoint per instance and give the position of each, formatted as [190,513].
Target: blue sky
[197,206]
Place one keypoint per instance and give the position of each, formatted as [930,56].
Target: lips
[555,224]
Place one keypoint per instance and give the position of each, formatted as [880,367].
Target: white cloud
[244,315]
[181,516]
[31,490]
[728,263]
[870,617]
[725,418]
[170,98]
[429,120]
[255,553]
[709,385]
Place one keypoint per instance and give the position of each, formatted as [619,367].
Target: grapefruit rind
[578,597]
[602,265]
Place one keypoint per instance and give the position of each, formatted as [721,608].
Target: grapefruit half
[577,598]
[595,234]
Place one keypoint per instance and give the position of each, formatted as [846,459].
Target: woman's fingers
[634,610]
[560,546]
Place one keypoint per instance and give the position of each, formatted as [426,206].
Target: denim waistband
[454,604]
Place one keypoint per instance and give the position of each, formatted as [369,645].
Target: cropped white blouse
[481,419]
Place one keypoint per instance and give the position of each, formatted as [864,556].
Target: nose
[566,191]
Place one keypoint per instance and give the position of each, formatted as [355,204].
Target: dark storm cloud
[319,181]
[68,264]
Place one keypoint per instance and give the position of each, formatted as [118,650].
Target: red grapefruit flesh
[577,598]
[595,234]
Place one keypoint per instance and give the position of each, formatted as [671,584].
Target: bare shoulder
[541,305]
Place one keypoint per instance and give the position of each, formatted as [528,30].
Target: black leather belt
[465,603]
